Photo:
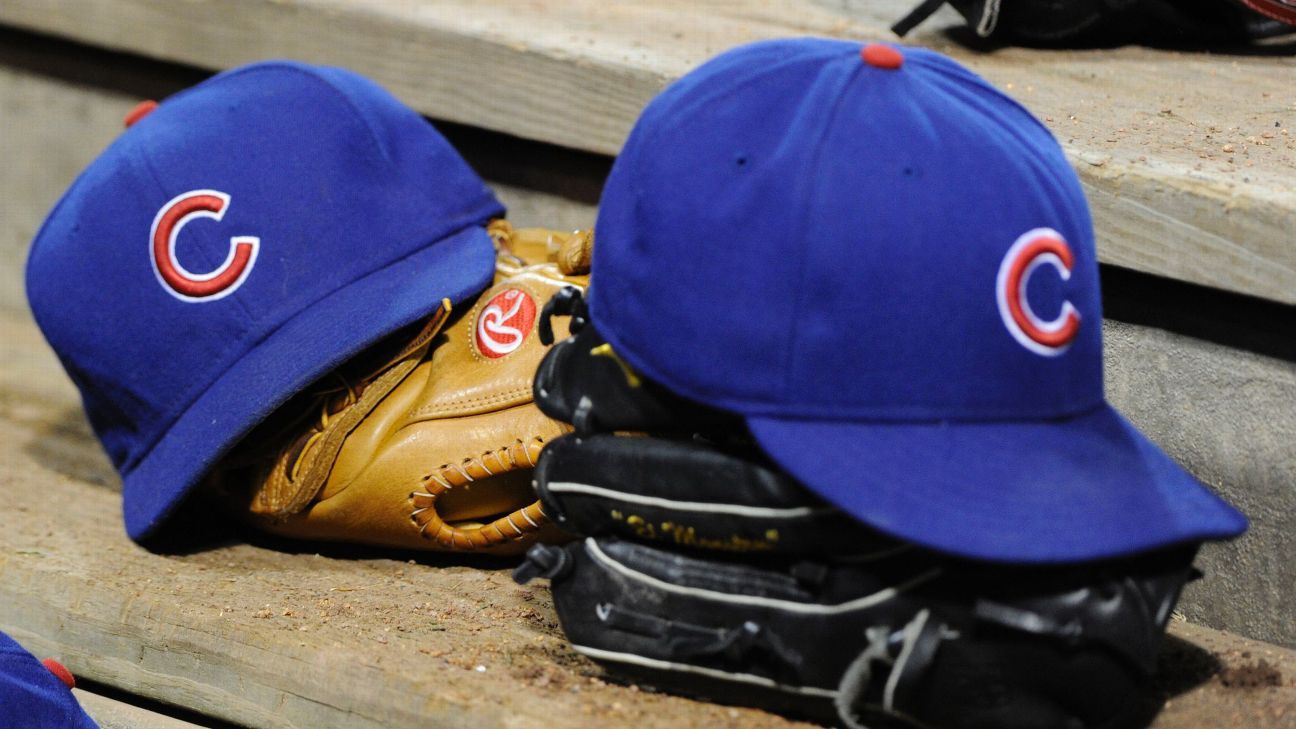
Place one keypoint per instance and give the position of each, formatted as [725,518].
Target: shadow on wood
[66,445]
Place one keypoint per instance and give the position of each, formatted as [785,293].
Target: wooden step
[293,634]
[1189,159]
[1220,410]
[269,638]
[110,713]
[259,632]
[272,634]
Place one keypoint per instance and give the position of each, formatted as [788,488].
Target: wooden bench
[269,634]
[1188,158]
[262,633]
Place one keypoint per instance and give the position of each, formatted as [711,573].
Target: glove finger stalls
[691,495]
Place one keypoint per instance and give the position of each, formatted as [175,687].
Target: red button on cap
[882,56]
[58,669]
[140,111]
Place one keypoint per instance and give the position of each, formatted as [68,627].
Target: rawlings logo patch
[178,280]
[1035,248]
[505,322]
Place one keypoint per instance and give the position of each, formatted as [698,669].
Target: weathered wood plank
[112,714]
[295,639]
[269,638]
[50,132]
[1251,684]
[1223,413]
[157,624]
[1190,159]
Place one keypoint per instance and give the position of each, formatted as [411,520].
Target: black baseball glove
[1084,22]
[705,570]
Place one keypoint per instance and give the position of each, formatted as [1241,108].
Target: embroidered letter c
[175,278]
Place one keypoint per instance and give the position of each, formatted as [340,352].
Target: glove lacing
[514,525]
[908,653]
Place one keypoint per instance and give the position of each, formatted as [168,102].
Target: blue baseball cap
[887,267]
[33,695]
[238,242]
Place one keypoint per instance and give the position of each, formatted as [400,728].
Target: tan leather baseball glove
[428,440]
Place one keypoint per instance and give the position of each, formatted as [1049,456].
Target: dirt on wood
[454,637]
[458,630]
[481,639]
[1210,678]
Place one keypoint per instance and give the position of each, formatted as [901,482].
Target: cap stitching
[300,69]
[866,420]
[631,151]
[374,136]
[799,291]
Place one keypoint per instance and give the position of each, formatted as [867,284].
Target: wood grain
[113,714]
[1189,158]
[274,634]
[273,638]
[1223,413]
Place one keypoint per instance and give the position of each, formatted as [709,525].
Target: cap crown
[792,231]
[220,216]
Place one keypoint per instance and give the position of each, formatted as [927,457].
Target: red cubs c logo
[1035,248]
[175,278]
[504,322]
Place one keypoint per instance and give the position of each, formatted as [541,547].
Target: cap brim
[305,348]
[1080,488]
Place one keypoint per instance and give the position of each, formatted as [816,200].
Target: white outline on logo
[492,321]
[1001,293]
[218,215]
